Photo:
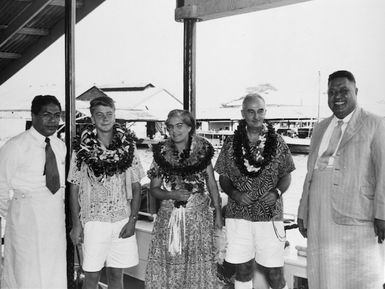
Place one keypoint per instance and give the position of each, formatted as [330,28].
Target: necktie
[52,179]
[334,139]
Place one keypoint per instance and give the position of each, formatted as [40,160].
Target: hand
[302,228]
[379,229]
[269,198]
[243,199]
[180,195]
[76,234]
[128,229]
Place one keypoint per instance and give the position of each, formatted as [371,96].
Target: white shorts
[263,241]
[103,247]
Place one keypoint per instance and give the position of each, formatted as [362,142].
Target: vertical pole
[189,52]
[319,95]
[70,128]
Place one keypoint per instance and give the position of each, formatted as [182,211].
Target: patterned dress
[194,267]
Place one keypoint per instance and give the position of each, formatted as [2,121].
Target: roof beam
[212,9]
[22,19]
[61,3]
[44,42]
[29,31]
[9,55]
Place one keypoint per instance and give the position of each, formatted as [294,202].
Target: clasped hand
[269,198]
[180,195]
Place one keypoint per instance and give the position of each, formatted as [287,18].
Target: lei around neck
[171,163]
[251,163]
[114,159]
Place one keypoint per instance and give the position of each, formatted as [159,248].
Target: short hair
[186,117]
[342,74]
[103,101]
[252,96]
[42,100]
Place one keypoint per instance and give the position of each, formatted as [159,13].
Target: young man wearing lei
[105,176]
[254,167]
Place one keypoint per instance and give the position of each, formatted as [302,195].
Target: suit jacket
[358,177]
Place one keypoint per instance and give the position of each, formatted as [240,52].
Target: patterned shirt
[281,165]
[105,200]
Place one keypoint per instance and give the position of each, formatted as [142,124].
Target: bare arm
[76,233]
[272,196]
[129,229]
[213,189]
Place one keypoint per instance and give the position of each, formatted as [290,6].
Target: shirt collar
[36,135]
[346,118]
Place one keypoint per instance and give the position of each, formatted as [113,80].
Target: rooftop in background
[28,27]
[274,111]
[144,101]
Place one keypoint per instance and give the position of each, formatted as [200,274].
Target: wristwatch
[278,192]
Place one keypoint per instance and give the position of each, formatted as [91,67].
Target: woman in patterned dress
[182,252]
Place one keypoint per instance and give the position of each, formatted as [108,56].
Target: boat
[297,145]
[215,137]
[305,131]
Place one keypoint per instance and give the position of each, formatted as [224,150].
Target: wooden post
[70,128]
[189,100]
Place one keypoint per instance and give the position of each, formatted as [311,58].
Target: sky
[294,48]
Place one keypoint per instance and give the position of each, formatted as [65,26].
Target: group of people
[341,212]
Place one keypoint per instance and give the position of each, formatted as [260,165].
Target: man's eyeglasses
[49,116]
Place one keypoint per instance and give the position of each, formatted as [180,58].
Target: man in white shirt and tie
[342,209]
[32,167]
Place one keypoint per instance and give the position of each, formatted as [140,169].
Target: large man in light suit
[342,209]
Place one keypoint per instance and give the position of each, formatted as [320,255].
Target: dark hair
[101,100]
[186,117]
[342,74]
[41,100]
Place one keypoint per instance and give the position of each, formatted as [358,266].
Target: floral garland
[191,161]
[116,159]
[252,163]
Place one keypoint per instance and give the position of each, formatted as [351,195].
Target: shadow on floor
[128,282]
[132,283]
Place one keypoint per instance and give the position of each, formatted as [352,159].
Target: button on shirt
[327,135]
[22,165]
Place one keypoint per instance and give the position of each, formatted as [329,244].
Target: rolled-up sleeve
[136,169]
[74,174]
[222,165]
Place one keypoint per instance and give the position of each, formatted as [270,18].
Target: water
[290,198]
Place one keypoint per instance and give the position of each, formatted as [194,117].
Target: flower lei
[116,159]
[251,163]
[186,164]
